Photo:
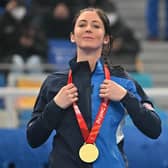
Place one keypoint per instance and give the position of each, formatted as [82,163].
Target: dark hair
[106,48]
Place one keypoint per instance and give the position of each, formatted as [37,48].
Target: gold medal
[88,153]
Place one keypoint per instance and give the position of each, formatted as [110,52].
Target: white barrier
[157,92]
[11,93]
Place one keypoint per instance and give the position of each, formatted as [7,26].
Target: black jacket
[47,116]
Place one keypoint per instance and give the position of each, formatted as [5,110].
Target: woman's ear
[72,37]
[106,39]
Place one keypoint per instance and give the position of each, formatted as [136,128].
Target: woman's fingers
[66,96]
[111,90]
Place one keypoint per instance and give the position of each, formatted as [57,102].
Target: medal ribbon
[90,137]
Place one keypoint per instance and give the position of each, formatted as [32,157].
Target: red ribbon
[90,137]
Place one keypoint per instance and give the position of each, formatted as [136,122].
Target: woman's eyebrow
[82,20]
[94,21]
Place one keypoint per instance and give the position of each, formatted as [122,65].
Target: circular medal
[88,153]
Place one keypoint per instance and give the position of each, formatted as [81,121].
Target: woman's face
[89,32]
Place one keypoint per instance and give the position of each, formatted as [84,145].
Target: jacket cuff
[131,103]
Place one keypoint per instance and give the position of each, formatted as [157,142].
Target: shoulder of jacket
[56,77]
[119,71]
[58,74]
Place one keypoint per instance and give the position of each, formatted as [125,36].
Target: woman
[86,104]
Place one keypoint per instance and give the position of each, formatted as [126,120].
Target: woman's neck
[91,57]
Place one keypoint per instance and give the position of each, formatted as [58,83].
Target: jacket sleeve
[145,119]
[46,117]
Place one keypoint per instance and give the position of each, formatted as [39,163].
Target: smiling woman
[86,118]
[89,33]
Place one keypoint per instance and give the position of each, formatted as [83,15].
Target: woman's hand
[111,90]
[66,96]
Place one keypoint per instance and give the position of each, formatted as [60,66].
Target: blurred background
[34,41]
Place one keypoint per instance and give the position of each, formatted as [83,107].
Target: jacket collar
[84,65]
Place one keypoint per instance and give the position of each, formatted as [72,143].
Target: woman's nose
[88,28]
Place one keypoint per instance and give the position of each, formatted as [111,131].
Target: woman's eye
[81,25]
[96,26]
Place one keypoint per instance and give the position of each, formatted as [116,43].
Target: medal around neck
[88,153]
